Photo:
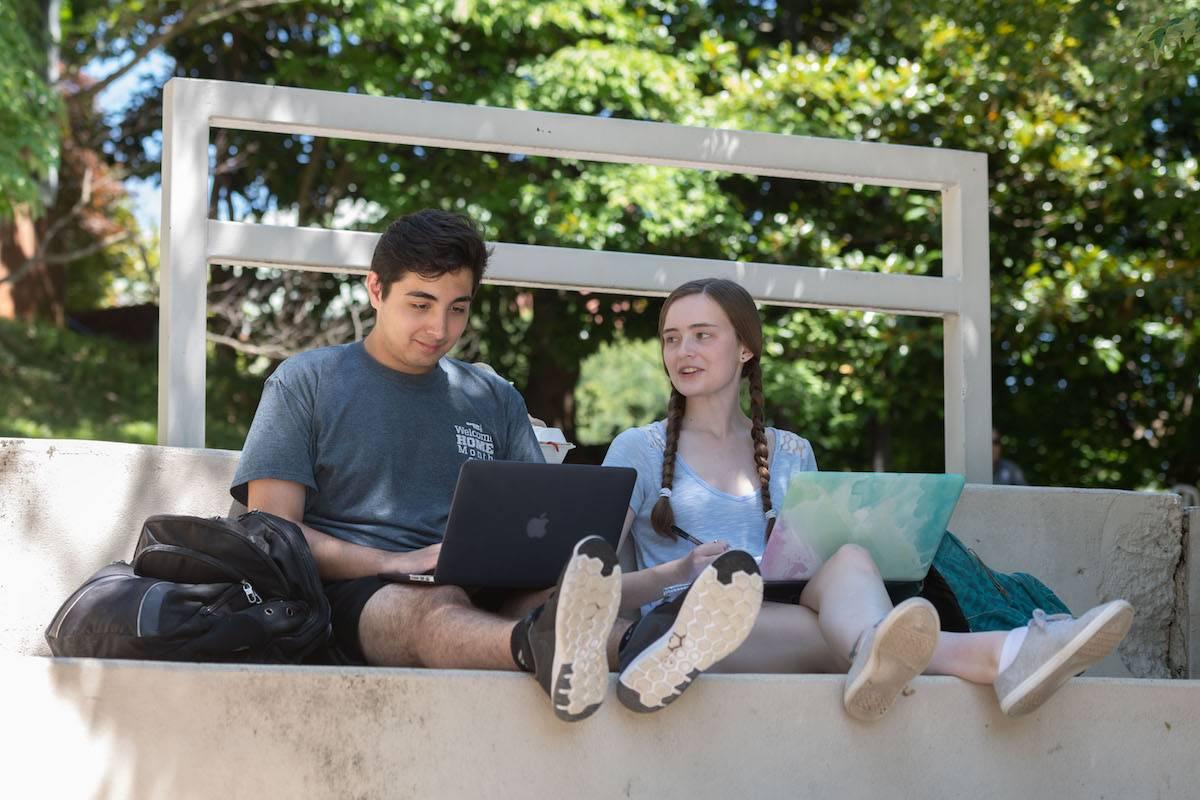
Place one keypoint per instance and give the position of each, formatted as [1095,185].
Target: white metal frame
[191,241]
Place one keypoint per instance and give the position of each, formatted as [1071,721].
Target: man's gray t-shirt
[379,450]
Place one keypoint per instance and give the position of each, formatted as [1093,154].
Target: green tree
[1093,231]
[1090,131]
[621,385]
[29,128]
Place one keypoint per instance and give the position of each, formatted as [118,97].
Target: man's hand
[414,562]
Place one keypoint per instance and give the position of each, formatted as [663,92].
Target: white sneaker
[1057,648]
[888,656]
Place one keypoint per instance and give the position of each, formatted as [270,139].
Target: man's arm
[336,559]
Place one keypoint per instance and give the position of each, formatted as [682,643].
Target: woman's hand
[687,568]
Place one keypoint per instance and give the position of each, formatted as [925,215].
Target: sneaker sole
[1093,643]
[900,651]
[588,600]
[716,617]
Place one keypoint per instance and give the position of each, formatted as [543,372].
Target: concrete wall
[69,507]
[1192,530]
[137,730]
[82,728]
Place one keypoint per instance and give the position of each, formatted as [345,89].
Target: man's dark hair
[430,243]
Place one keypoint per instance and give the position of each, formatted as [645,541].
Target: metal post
[190,241]
[967,334]
[184,265]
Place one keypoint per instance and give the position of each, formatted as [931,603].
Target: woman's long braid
[753,371]
[662,517]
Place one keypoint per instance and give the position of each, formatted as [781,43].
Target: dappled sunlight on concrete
[69,507]
[141,729]
[129,729]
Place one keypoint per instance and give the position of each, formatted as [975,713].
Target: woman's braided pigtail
[753,371]
[662,518]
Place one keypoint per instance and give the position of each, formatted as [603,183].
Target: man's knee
[416,602]
[446,597]
[403,607]
[398,617]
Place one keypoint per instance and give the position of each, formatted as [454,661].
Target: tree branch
[239,6]
[194,17]
[234,163]
[84,252]
[303,193]
[164,35]
[39,254]
[278,353]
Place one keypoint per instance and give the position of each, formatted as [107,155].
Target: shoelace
[1041,619]
[669,593]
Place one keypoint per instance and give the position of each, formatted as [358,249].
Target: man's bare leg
[519,604]
[566,645]
[385,629]
[432,626]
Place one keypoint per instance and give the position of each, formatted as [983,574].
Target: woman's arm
[646,585]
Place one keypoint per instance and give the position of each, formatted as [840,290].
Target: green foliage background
[30,124]
[1090,131]
[61,384]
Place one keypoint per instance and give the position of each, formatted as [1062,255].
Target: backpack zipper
[251,595]
[214,524]
[188,553]
[311,581]
[287,534]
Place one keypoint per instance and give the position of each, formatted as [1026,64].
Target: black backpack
[201,589]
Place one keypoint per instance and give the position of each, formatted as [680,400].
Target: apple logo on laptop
[536,527]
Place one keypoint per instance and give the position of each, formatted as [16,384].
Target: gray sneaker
[888,656]
[564,643]
[1057,648]
[669,647]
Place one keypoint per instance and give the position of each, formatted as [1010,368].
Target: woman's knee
[852,557]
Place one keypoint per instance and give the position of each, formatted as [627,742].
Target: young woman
[713,472]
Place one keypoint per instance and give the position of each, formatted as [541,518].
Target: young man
[361,445]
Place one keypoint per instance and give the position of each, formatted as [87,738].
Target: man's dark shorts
[347,599]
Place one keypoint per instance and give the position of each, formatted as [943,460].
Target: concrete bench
[141,729]
[69,507]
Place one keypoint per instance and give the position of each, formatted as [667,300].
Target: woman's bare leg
[785,638]
[974,657]
[848,596]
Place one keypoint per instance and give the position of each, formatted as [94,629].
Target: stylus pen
[680,532]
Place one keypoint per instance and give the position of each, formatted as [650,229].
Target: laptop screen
[899,518]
